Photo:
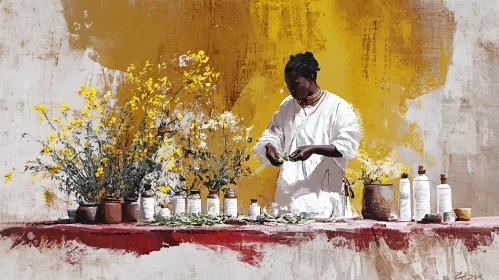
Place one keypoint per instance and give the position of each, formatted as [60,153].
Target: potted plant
[213,153]
[105,152]
[377,176]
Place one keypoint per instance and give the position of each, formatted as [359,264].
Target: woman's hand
[272,155]
[302,153]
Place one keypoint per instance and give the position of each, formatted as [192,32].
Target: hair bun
[309,55]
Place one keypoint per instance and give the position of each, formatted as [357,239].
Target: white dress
[316,184]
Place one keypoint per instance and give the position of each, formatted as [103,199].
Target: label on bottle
[405,210]
[422,202]
[253,211]
[146,208]
[213,206]
[444,201]
[194,206]
[178,204]
[230,207]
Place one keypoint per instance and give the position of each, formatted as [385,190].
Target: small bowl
[462,214]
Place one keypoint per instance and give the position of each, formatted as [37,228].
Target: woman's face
[298,86]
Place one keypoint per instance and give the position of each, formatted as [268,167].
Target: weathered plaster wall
[380,55]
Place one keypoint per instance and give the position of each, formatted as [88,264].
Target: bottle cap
[404,175]
[253,200]
[421,169]
[230,191]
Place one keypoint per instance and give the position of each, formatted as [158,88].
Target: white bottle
[444,196]
[147,204]
[254,209]
[405,209]
[194,203]
[178,203]
[230,203]
[213,203]
[421,189]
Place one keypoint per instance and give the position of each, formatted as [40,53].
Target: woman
[317,132]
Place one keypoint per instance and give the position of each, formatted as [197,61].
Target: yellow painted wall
[375,54]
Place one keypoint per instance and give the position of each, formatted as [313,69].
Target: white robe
[313,185]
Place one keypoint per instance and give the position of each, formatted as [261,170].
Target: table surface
[247,239]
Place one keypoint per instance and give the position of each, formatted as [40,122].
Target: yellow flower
[42,108]
[57,120]
[180,116]
[66,151]
[52,136]
[164,189]
[170,165]
[33,176]
[64,107]
[8,177]
[100,171]
[54,169]
[46,150]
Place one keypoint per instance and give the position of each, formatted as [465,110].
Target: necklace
[320,99]
[311,99]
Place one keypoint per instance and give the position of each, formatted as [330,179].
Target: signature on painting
[468,276]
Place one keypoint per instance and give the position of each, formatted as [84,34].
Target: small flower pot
[111,210]
[86,213]
[130,211]
[378,201]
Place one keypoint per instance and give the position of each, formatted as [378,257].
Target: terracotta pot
[378,201]
[86,213]
[463,214]
[111,210]
[130,211]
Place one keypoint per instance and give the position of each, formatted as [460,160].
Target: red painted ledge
[248,239]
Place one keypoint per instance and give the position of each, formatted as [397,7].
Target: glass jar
[213,203]
[254,209]
[194,202]
[178,203]
[230,203]
[147,204]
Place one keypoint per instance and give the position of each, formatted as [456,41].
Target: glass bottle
[178,203]
[230,203]
[194,203]
[254,209]
[213,203]
[405,209]
[147,204]
[421,189]
[444,196]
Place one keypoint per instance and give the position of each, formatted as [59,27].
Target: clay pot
[378,201]
[462,214]
[111,210]
[86,213]
[130,211]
